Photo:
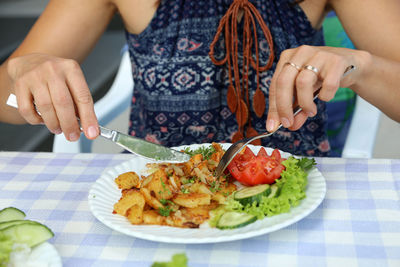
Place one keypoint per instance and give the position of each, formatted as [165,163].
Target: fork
[235,148]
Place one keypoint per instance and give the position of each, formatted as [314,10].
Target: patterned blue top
[180,95]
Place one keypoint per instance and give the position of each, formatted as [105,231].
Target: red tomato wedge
[250,169]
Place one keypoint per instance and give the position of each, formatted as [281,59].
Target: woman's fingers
[305,86]
[83,101]
[57,89]
[286,82]
[273,119]
[25,103]
[65,109]
[302,71]
[44,105]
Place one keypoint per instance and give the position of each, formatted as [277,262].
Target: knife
[132,144]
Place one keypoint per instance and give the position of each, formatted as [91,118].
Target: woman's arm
[374,28]
[45,67]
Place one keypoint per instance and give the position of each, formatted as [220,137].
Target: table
[358,223]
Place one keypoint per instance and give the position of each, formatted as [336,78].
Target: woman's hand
[57,88]
[301,71]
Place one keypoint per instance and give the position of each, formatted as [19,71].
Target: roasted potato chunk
[150,200]
[192,200]
[152,217]
[129,198]
[196,215]
[159,186]
[178,195]
[127,180]
[135,214]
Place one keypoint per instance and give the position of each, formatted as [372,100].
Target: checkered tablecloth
[358,223]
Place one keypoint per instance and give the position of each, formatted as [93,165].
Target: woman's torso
[180,95]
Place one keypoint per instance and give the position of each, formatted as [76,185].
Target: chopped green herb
[214,186]
[165,211]
[166,190]
[226,194]
[205,151]
[185,190]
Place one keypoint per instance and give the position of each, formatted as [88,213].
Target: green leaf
[178,260]
[306,163]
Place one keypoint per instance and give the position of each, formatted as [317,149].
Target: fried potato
[178,195]
[135,214]
[127,180]
[200,188]
[196,215]
[152,217]
[219,197]
[129,198]
[150,200]
[192,200]
[227,189]
[159,186]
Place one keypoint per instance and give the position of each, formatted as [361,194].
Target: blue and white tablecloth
[358,223]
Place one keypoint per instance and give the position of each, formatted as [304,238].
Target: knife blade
[132,144]
[143,148]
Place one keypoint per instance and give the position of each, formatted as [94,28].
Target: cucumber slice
[6,224]
[233,219]
[30,233]
[10,214]
[252,194]
[274,191]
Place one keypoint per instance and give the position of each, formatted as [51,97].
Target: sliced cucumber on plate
[233,219]
[274,191]
[10,214]
[251,194]
[13,225]
[30,233]
[6,224]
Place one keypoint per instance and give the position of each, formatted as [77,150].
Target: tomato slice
[250,169]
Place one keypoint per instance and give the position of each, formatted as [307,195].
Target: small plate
[44,254]
[105,193]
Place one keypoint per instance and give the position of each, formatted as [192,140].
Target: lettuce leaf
[292,189]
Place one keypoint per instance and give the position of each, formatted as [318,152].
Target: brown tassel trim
[238,93]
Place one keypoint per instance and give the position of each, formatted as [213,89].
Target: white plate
[105,193]
[44,254]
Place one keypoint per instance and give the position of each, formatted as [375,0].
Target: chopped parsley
[214,186]
[205,151]
[185,190]
[165,211]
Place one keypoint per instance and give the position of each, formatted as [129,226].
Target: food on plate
[188,194]
[180,194]
[250,169]
[18,235]
[268,200]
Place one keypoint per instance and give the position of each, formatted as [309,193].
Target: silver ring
[293,65]
[312,68]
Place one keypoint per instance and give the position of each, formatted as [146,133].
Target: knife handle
[12,102]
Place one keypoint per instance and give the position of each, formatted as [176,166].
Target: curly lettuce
[292,189]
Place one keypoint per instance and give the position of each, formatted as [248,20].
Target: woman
[194,83]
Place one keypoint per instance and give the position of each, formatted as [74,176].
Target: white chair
[112,104]
[359,142]
[360,139]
